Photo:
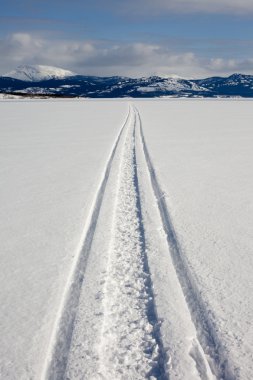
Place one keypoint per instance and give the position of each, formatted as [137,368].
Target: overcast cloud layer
[107,58]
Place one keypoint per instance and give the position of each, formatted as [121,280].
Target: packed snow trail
[131,308]
[130,347]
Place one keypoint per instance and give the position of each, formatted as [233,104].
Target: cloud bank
[96,57]
[237,7]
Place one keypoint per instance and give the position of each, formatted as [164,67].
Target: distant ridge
[53,81]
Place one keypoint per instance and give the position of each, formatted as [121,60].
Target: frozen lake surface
[126,231]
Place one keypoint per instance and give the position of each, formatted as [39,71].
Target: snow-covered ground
[8,96]
[52,156]
[202,153]
[126,255]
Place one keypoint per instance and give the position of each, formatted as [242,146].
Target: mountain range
[52,81]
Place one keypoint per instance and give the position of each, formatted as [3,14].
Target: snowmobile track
[130,317]
[56,359]
[206,330]
[131,345]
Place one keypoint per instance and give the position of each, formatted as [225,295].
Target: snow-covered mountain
[165,84]
[54,81]
[37,73]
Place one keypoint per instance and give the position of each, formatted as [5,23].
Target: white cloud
[107,58]
[184,6]
[230,65]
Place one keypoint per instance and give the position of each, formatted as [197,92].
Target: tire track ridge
[151,307]
[60,341]
[205,327]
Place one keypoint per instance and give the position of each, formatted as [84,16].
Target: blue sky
[191,38]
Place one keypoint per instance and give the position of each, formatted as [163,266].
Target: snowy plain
[163,213]
[52,154]
[202,152]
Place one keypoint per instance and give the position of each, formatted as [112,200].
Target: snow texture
[132,259]
[49,173]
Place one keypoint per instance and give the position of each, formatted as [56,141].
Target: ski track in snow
[131,345]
